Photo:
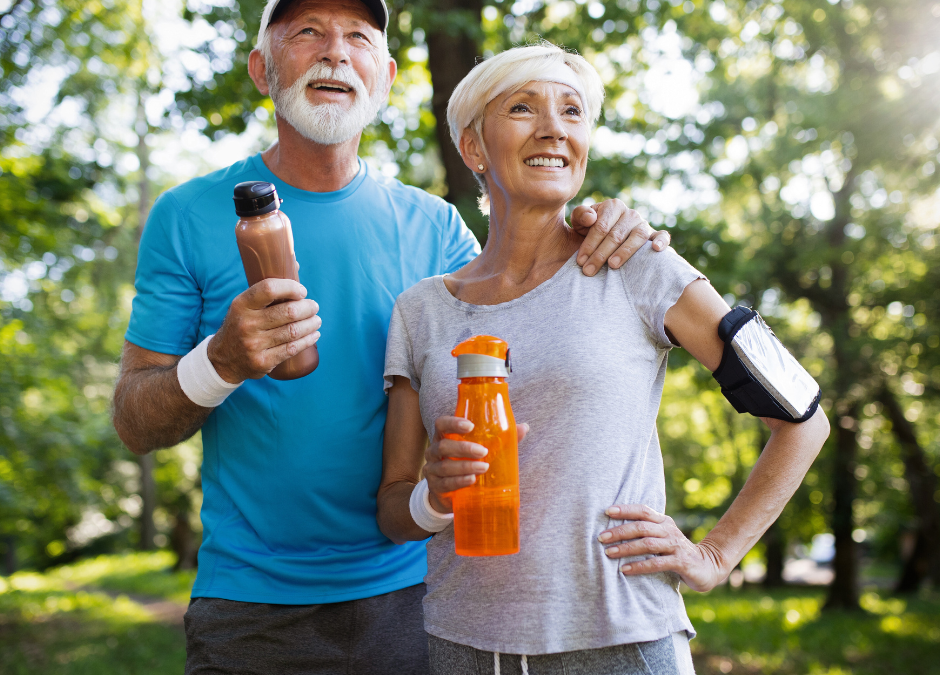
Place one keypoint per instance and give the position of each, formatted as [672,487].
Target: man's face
[328,70]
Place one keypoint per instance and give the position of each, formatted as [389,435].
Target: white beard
[326,123]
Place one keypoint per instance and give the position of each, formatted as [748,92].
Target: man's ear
[392,72]
[471,150]
[258,72]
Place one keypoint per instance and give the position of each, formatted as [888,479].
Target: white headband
[559,73]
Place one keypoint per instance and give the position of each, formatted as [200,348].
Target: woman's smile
[546,162]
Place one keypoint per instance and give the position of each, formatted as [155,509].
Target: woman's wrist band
[423,513]
[199,380]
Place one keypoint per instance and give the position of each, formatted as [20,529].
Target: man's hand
[612,233]
[266,325]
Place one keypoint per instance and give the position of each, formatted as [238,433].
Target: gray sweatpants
[373,636]
[669,656]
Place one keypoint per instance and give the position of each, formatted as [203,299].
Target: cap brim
[275,8]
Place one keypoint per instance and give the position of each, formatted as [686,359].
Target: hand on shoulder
[612,234]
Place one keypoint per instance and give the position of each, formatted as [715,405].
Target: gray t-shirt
[589,361]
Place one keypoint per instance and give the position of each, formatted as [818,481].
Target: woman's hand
[453,464]
[650,532]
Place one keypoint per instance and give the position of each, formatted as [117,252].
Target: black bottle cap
[255,198]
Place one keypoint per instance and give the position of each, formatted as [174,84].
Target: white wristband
[198,379]
[423,513]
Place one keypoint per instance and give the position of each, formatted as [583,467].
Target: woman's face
[537,139]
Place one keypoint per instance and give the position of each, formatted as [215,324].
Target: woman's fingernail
[605,536]
[316,336]
[482,467]
[590,269]
[658,246]
[614,262]
[626,568]
[613,550]
[582,259]
[465,425]
[613,511]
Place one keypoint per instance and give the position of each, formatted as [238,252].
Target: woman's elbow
[820,428]
[808,436]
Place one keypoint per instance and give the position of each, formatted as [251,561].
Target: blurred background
[789,146]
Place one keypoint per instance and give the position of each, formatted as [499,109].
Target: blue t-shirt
[291,469]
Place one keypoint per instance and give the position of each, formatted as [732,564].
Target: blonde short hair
[508,71]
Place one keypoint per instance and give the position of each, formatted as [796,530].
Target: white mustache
[345,74]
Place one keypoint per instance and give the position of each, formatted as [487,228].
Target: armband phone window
[758,375]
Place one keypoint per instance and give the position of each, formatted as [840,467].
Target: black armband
[758,375]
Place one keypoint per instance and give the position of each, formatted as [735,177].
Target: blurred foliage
[791,147]
[69,181]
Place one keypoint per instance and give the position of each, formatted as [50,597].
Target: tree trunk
[183,541]
[148,489]
[924,561]
[452,52]
[836,316]
[916,566]
[775,544]
[143,157]
[148,494]
[843,593]
[9,555]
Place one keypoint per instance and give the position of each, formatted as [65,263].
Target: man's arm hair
[150,409]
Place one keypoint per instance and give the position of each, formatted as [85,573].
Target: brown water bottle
[266,244]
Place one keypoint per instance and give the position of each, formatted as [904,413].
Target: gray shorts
[668,656]
[373,636]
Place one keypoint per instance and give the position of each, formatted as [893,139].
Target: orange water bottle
[486,514]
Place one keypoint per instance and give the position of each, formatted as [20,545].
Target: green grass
[134,573]
[46,628]
[59,622]
[784,632]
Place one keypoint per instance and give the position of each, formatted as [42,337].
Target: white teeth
[545,161]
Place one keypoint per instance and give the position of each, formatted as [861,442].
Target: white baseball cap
[377,7]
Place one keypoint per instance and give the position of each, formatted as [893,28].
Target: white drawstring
[524,661]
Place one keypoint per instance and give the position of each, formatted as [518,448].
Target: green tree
[69,181]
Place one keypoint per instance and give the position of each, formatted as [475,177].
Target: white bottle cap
[481,365]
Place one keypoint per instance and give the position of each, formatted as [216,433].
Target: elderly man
[294,574]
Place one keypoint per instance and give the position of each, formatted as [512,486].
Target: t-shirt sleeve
[167,308]
[460,245]
[654,281]
[399,355]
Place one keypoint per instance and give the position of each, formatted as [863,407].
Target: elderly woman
[595,586]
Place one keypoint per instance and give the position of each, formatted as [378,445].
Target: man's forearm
[151,411]
[394,513]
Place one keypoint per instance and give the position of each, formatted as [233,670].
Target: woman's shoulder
[647,264]
[423,294]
